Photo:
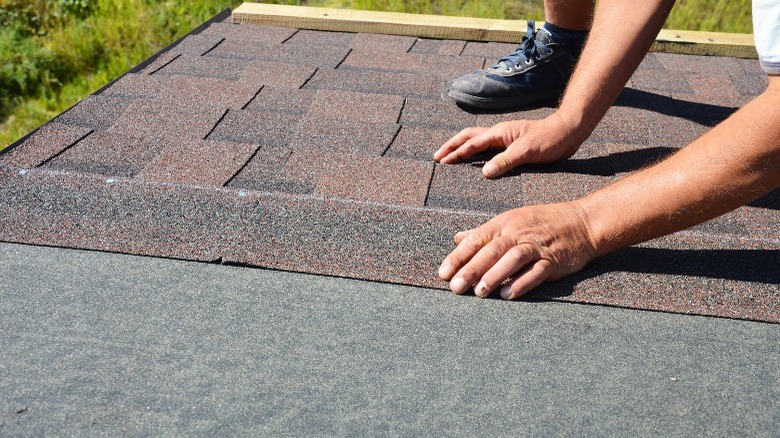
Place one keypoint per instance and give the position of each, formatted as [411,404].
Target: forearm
[621,35]
[734,163]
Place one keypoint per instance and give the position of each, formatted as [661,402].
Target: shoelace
[528,50]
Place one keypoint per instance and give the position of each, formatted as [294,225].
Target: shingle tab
[51,139]
[95,112]
[488,49]
[272,98]
[205,66]
[371,59]
[150,119]
[321,38]
[363,178]
[195,162]
[359,107]
[382,43]
[435,113]
[249,34]
[137,86]
[462,187]
[256,127]
[418,143]
[343,136]
[108,154]
[320,56]
[277,74]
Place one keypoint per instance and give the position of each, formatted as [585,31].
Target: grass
[51,56]
[55,52]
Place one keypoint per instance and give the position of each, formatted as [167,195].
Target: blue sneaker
[538,69]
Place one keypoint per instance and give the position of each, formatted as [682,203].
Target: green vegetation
[55,52]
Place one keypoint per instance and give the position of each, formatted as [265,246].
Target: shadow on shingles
[701,113]
[547,103]
[609,165]
[769,201]
[756,266]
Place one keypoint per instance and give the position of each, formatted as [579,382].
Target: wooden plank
[466,28]
[738,45]
[393,23]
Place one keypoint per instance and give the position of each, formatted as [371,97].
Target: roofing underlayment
[310,151]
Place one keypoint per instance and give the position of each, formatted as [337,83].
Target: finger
[456,141]
[512,262]
[505,161]
[460,235]
[486,139]
[446,270]
[535,275]
[480,263]
[462,254]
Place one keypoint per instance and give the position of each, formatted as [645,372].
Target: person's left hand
[520,249]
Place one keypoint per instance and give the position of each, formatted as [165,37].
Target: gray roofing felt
[310,151]
[111,344]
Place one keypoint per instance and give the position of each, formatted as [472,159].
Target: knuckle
[503,161]
[473,241]
[521,254]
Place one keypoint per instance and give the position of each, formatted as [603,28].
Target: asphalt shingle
[311,151]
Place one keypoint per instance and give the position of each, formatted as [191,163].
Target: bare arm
[621,35]
[734,163]
[730,165]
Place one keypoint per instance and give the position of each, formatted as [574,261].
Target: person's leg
[568,23]
[538,69]
[569,14]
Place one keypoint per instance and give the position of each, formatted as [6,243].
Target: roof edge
[466,28]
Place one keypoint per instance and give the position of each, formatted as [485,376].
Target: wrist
[579,126]
[601,240]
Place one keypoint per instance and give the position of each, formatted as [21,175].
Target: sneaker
[537,70]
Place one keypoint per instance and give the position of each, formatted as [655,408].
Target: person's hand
[524,141]
[520,249]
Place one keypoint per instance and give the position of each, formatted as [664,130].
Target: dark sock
[571,40]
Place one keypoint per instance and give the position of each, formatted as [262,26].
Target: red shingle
[362,178]
[108,154]
[357,107]
[198,162]
[46,142]
[418,143]
[382,43]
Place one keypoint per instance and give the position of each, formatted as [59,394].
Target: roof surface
[311,151]
[97,344]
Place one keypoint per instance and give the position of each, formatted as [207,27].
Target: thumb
[468,143]
[500,164]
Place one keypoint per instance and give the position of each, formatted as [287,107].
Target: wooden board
[345,20]
[465,28]
[738,45]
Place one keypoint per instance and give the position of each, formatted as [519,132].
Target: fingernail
[490,169]
[506,292]
[458,285]
[445,271]
[481,290]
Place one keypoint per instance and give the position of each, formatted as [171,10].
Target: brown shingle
[198,162]
[358,107]
[331,173]
[46,142]
[108,154]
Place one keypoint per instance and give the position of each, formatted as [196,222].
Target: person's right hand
[524,141]
[519,249]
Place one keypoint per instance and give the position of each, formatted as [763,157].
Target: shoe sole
[502,103]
